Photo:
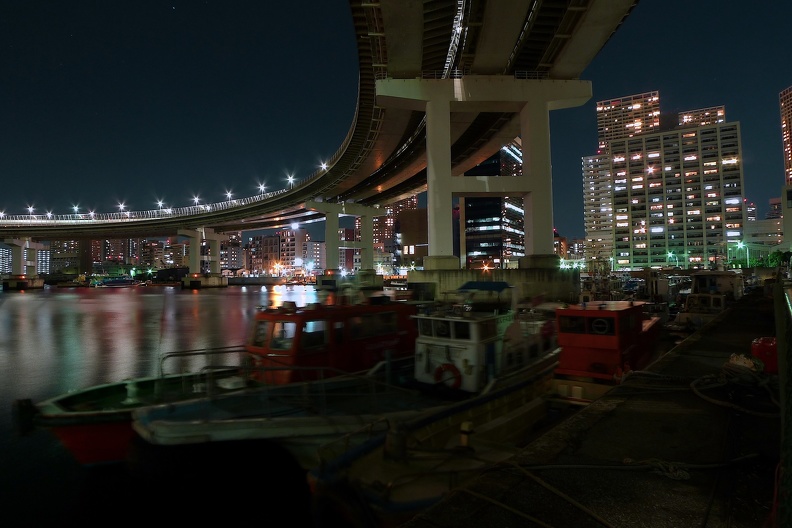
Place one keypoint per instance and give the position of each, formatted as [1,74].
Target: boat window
[441,328]
[282,335]
[368,325]
[461,330]
[314,334]
[260,332]
[572,325]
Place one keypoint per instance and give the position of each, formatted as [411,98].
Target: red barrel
[764,348]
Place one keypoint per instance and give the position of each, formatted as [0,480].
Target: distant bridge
[485,71]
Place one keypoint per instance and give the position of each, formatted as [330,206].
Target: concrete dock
[692,441]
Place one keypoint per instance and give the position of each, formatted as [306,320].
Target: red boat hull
[96,443]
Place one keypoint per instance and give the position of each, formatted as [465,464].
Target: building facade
[661,194]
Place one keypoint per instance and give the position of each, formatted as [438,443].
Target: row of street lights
[262,187]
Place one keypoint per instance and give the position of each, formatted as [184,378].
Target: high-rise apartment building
[784,210]
[675,193]
[263,254]
[677,196]
[598,207]
[627,116]
[703,116]
[785,101]
[292,249]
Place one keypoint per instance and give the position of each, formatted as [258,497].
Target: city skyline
[182,113]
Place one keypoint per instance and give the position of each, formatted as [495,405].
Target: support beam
[332,212]
[532,100]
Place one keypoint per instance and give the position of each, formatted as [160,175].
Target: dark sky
[114,102]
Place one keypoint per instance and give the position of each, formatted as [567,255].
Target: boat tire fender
[441,375]
[601,326]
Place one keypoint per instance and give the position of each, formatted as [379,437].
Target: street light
[742,245]
[671,254]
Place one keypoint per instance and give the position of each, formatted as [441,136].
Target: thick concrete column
[331,241]
[196,237]
[366,239]
[537,171]
[214,256]
[438,177]
[18,263]
[24,256]
[462,234]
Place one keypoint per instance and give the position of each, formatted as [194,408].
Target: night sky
[103,103]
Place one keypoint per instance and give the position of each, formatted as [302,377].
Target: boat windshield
[279,335]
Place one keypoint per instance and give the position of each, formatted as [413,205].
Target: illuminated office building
[493,233]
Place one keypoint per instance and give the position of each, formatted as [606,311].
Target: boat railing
[209,353]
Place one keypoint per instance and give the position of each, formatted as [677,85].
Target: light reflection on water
[52,340]
[56,340]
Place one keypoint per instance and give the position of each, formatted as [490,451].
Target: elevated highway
[384,155]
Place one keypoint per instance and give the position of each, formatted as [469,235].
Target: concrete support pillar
[537,171]
[196,237]
[214,256]
[532,100]
[367,241]
[462,235]
[438,177]
[331,241]
[18,260]
[24,256]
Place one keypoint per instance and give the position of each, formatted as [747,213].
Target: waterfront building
[316,260]
[263,254]
[625,117]
[292,250]
[5,259]
[671,193]
[785,103]
[677,196]
[231,254]
[618,118]
[598,207]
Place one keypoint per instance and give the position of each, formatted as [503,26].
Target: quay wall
[550,284]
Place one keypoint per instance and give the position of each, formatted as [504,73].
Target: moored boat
[479,373]
[600,343]
[285,345]
[117,282]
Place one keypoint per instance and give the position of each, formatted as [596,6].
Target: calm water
[56,340]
